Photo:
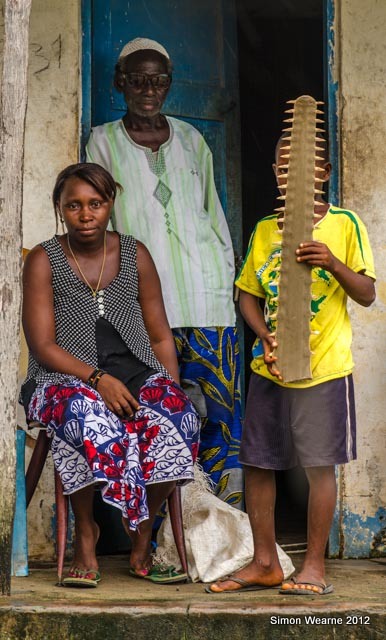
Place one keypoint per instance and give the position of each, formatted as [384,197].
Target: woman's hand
[116,396]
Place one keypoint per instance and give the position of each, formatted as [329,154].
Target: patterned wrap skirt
[211,357]
[90,444]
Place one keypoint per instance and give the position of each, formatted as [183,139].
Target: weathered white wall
[51,143]
[51,140]
[362,52]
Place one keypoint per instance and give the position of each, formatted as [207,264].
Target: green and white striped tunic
[170,203]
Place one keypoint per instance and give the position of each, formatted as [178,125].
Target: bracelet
[95,377]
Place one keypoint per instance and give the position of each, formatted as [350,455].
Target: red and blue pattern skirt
[90,444]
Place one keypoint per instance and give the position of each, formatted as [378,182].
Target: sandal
[159,574]
[294,587]
[82,578]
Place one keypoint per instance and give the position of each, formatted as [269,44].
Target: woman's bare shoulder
[37,261]
[145,263]
[143,253]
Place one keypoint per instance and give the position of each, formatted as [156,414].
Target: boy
[310,422]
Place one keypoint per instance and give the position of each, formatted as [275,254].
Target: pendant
[101,306]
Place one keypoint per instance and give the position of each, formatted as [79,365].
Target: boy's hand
[316,254]
[269,344]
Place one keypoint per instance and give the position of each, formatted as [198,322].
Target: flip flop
[87,578]
[309,588]
[244,586]
[160,575]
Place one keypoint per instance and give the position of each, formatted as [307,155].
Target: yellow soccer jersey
[330,329]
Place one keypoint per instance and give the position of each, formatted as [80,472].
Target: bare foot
[140,556]
[86,538]
[125,524]
[310,578]
[253,574]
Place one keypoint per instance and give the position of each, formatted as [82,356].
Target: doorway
[281,56]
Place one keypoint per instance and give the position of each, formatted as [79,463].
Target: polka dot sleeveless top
[77,310]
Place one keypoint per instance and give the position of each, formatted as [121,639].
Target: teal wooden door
[200,38]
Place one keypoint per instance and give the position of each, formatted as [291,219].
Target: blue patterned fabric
[90,444]
[211,357]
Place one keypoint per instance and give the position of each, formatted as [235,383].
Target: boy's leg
[321,506]
[324,433]
[264,569]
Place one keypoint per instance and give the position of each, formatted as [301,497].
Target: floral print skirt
[90,444]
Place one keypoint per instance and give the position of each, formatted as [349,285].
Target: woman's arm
[39,319]
[153,311]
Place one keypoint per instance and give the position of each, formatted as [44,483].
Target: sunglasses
[140,80]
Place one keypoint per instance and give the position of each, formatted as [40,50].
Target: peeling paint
[364,535]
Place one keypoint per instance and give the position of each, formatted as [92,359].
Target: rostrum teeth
[303,147]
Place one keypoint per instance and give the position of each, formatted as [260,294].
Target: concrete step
[125,608]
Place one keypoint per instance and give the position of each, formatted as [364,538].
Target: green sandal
[82,578]
[160,574]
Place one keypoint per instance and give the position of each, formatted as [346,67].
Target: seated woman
[103,374]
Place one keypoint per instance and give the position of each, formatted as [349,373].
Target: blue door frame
[335,549]
[332,97]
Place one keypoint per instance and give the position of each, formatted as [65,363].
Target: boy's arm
[358,286]
[253,316]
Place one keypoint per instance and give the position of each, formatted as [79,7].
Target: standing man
[170,203]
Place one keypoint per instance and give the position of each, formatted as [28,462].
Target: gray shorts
[313,427]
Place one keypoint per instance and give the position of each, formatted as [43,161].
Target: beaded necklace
[93,291]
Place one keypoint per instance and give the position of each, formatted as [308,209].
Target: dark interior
[281,56]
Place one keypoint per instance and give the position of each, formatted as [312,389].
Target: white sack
[218,537]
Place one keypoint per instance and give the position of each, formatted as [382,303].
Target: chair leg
[175,511]
[36,464]
[61,524]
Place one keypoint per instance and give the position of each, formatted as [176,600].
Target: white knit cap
[141,44]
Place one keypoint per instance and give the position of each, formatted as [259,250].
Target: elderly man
[170,203]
